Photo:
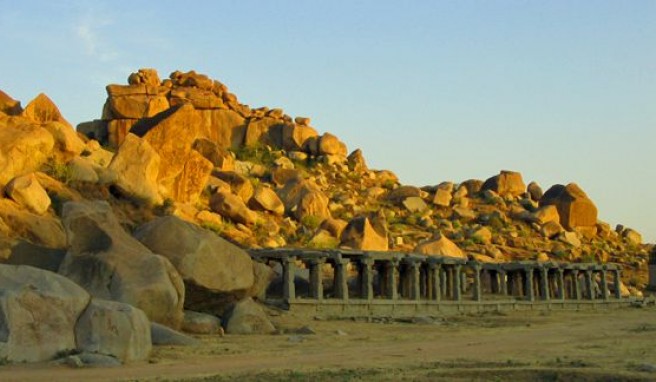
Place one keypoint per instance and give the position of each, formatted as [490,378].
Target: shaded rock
[136,168]
[334,226]
[232,207]
[162,335]
[534,191]
[399,194]
[574,207]
[280,176]
[506,183]
[247,317]
[215,271]
[26,253]
[27,191]
[366,234]
[356,161]
[38,311]
[473,186]
[263,276]
[115,329]
[263,131]
[440,246]
[110,264]
[96,130]
[200,323]
[9,105]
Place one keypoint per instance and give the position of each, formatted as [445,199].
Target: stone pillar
[457,291]
[544,283]
[560,282]
[495,285]
[445,282]
[340,282]
[392,291]
[528,288]
[367,279]
[604,285]
[288,273]
[503,282]
[316,279]
[575,285]
[415,286]
[477,293]
[435,277]
[463,282]
[589,285]
[618,283]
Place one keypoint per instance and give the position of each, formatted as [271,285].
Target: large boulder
[136,169]
[172,135]
[38,313]
[440,246]
[201,323]
[189,184]
[27,191]
[366,234]
[9,105]
[506,183]
[265,199]
[38,229]
[247,317]
[226,128]
[24,148]
[294,136]
[115,329]
[42,110]
[575,209]
[304,198]
[215,271]
[110,264]
[232,207]
[67,143]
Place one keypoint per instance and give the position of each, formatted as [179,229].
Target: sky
[561,91]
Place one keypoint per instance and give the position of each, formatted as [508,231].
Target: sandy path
[606,340]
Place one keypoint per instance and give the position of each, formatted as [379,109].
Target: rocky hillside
[186,146]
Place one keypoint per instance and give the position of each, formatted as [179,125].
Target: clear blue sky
[433,90]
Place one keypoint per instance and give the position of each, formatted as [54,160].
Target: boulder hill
[186,147]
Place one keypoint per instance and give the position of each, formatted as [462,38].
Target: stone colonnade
[401,276]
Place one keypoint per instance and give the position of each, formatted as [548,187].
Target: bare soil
[616,345]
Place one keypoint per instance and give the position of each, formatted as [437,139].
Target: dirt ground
[616,345]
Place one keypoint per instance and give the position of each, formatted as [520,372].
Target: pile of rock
[217,115]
